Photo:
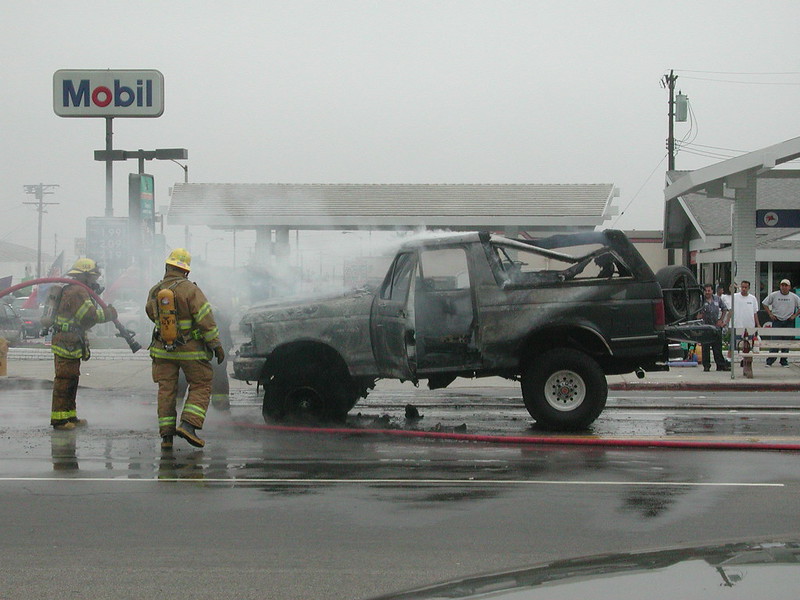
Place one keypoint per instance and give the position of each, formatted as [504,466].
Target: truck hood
[355,302]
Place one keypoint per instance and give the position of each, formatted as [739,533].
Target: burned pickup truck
[556,314]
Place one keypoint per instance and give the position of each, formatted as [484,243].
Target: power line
[740,72]
[706,154]
[627,206]
[720,148]
[792,83]
[15,229]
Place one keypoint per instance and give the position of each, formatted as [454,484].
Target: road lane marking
[278,480]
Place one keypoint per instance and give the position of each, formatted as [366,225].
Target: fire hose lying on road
[124,333]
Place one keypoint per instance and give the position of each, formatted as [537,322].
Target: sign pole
[109,167]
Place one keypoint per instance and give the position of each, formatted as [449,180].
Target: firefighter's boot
[187,432]
[66,426]
[79,422]
[166,442]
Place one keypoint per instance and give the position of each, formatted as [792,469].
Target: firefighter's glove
[111,313]
[220,354]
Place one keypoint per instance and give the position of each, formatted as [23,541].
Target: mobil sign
[106,93]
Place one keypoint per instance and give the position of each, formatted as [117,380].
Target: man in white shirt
[783,307]
[745,309]
[745,317]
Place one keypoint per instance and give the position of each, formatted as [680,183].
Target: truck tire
[564,389]
[683,297]
[314,393]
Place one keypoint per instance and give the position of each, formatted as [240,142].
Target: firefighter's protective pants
[65,389]
[220,386]
[165,373]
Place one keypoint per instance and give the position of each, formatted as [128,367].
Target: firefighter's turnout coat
[76,313]
[198,336]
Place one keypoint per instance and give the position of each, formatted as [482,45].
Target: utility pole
[668,81]
[39,191]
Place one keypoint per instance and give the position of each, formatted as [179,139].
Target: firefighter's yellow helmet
[84,265]
[180,258]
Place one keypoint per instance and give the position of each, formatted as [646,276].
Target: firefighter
[184,339]
[73,314]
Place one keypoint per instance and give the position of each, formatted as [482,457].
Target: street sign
[141,209]
[107,93]
[778,218]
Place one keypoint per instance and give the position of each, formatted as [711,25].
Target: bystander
[745,319]
[713,312]
[783,307]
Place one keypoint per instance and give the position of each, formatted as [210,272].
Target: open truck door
[393,320]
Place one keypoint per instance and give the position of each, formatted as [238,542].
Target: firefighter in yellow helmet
[74,312]
[184,339]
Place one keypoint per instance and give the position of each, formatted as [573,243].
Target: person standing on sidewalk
[782,307]
[714,313]
[745,309]
[724,297]
[194,339]
[745,318]
[74,313]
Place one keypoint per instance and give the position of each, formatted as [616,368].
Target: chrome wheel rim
[565,390]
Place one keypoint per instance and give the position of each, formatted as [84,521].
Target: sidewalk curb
[711,387]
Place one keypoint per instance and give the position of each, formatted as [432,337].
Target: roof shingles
[276,203]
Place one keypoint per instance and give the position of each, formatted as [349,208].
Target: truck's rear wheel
[314,393]
[564,389]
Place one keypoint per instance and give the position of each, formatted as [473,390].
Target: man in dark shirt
[713,312]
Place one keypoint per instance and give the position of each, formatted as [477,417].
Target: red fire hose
[531,439]
[124,333]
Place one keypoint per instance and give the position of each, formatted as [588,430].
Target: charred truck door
[392,322]
[444,312]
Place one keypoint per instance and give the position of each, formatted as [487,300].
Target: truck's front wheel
[564,389]
[314,393]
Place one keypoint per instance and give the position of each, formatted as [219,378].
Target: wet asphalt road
[103,513]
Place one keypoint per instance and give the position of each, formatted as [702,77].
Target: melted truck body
[557,314]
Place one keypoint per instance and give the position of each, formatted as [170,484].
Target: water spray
[124,333]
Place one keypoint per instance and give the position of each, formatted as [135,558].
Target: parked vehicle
[556,314]
[31,322]
[10,323]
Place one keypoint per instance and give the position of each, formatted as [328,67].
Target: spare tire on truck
[683,296]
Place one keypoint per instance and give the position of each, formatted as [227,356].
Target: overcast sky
[393,92]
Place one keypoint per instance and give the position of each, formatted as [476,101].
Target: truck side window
[444,269]
[396,288]
[529,267]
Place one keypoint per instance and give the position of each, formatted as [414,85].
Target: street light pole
[185,170]
[185,180]
[109,167]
